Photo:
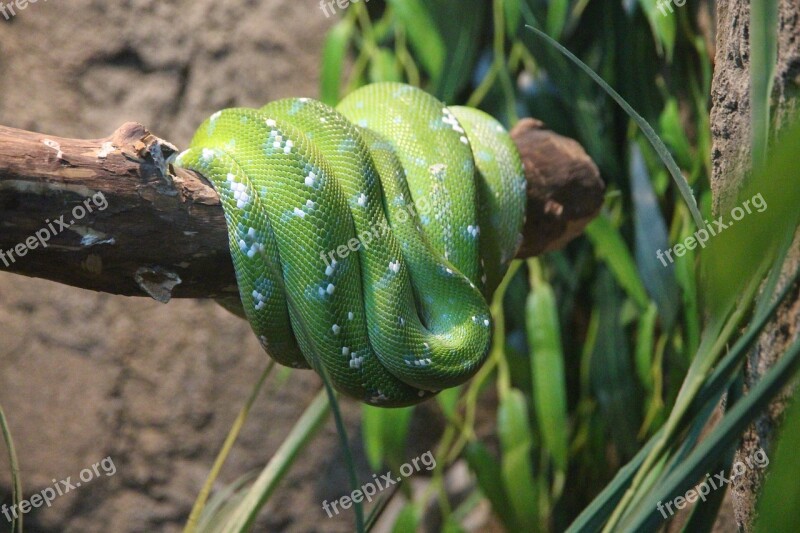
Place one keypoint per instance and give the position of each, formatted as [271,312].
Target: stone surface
[84,375]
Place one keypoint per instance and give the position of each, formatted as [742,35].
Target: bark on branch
[159,231]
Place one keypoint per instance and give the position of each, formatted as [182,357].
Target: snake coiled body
[367,239]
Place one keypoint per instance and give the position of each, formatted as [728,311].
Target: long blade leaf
[658,144]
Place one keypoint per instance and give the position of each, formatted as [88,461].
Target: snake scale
[367,239]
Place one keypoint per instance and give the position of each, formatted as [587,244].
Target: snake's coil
[366,239]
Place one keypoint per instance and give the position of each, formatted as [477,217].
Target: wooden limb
[112,215]
[565,191]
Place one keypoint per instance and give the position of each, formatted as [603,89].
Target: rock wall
[83,375]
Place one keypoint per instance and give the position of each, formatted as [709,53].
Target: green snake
[368,238]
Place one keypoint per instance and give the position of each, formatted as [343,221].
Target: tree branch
[111,215]
[731,129]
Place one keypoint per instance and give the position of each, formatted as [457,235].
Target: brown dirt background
[86,375]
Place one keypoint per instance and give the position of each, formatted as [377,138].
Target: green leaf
[512,16]
[673,133]
[593,516]
[686,277]
[451,526]
[384,433]
[557,11]
[645,347]
[611,249]
[198,509]
[384,67]
[612,375]
[780,497]
[448,400]
[651,237]
[299,436]
[222,505]
[662,24]
[763,55]
[333,59]
[737,253]
[423,34]
[407,520]
[648,131]
[646,516]
[705,517]
[16,480]
[547,371]
[462,38]
[516,441]
[490,479]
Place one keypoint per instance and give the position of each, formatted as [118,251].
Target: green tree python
[367,239]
